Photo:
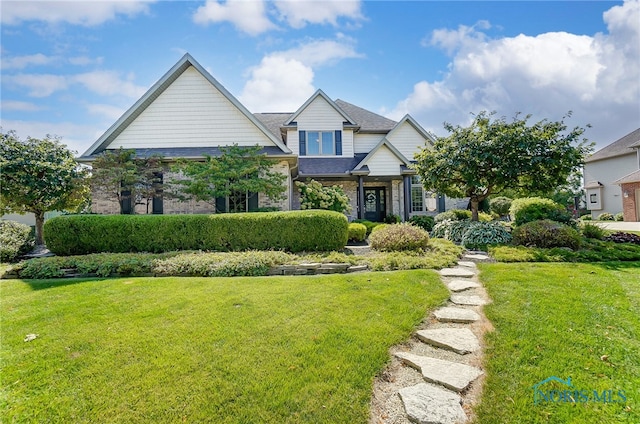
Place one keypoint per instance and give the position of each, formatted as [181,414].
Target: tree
[492,155]
[149,180]
[39,175]
[235,173]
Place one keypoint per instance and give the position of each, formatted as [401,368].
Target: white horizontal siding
[384,163]
[191,112]
[407,140]
[364,143]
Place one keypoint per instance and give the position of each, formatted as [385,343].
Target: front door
[374,204]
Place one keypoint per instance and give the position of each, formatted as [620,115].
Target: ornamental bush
[501,205]
[357,232]
[292,231]
[593,231]
[605,216]
[370,225]
[622,237]
[453,215]
[441,228]
[529,209]
[425,222]
[399,237]
[457,229]
[15,239]
[484,234]
[546,233]
[618,217]
[314,195]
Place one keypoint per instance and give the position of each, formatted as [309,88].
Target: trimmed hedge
[293,231]
[528,209]
[357,232]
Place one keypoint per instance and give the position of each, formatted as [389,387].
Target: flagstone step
[452,314]
[467,264]
[452,375]
[476,257]
[459,340]
[457,272]
[463,299]
[461,285]
[427,404]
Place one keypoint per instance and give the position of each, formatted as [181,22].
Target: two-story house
[188,113]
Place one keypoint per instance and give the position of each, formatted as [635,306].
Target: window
[421,200]
[320,143]
[237,202]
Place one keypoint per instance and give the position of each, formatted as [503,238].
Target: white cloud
[109,111]
[247,16]
[284,80]
[597,77]
[39,85]
[87,13]
[76,137]
[19,106]
[21,62]
[109,83]
[300,13]
[85,61]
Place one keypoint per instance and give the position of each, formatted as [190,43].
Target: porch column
[407,196]
[360,197]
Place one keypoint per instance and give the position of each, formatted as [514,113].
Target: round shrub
[605,216]
[370,225]
[379,226]
[529,209]
[357,232]
[453,215]
[593,231]
[15,239]
[398,237]
[440,229]
[586,217]
[484,234]
[618,217]
[500,205]
[423,221]
[457,229]
[546,233]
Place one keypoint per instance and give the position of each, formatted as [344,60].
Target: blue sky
[72,68]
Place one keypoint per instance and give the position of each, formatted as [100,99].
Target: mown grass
[223,350]
[580,321]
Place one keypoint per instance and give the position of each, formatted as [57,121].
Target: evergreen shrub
[15,239]
[546,233]
[529,209]
[357,232]
[399,237]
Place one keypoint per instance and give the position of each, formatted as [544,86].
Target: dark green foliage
[425,222]
[15,239]
[546,233]
[501,205]
[484,234]
[593,231]
[357,232]
[622,237]
[370,225]
[592,250]
[399,237]
[292,231]
[453,215]
[605,216]
[457,230]
[529,209]
[392,219]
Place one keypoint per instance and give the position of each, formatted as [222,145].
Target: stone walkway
[436,377]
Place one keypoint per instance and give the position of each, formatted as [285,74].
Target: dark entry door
[374,204]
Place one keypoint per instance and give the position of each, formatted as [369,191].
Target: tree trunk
[39,228]
[475,203]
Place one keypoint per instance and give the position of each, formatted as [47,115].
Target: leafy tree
[233,174]
[316,196]
[39,175]
[492,155]
[149,180]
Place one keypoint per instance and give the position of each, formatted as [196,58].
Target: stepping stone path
[433,375]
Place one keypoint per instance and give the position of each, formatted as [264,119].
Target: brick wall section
[629,203]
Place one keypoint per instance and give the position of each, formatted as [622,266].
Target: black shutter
[221,204]
[126,208]
[252,202]
[338,143]
[303,143]
[157,206]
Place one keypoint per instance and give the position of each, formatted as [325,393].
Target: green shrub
[291,231]
[529,209]
[238,264]
[484,234]
[313,195]
[357,232]
[622,237]
[392,219]
[423,221]
[501,205]
[440,229]
[546,233]
[586,217]
[618,217]
[593,231]
[378,227]
[15,239]
[370,225]
[605,216]
[453,215]
[486,217]
[457,229]
[399,237]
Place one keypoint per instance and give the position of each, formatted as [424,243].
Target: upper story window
[320,143]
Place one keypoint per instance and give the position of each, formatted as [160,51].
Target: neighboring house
[612,178]
[188,113]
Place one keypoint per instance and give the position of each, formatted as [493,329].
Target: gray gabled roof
[157,89]
[620,147]
[274,122]
[328,167]
[367,120]
[634,177]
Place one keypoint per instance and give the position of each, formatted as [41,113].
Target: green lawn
[223,350]
[566,320]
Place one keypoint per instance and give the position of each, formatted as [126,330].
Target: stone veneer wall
[629,203]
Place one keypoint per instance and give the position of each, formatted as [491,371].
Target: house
[612,178]
[188,113]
